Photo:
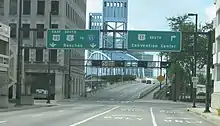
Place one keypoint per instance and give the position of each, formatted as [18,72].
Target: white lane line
[153,117]
[90,118]
[61,111]
[179,118]
[37,115]
[127,115]
[2,122]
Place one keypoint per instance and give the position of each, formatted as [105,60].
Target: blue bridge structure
[113,17]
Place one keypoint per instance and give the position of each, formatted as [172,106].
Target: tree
[185,59]
[202,79]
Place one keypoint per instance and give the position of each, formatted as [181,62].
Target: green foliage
[184,60]
[202,79]
[118,78]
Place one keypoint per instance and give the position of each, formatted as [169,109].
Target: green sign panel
[158,41]
[66,39]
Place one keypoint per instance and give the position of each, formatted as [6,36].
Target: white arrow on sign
[172,37]
[93,45]
[53,44]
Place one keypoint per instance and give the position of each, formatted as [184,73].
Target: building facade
[66,14]
[216,60]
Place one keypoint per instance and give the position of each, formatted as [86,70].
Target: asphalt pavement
[126,92]
[92,113]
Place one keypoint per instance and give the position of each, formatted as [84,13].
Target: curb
[204,117]
[26,108]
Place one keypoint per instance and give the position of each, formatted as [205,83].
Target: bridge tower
[95,23]
[115,17]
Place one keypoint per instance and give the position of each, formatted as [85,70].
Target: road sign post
[67,39]
[160,78]
[162,41]
[195,81]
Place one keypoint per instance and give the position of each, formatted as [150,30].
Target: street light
[195,57]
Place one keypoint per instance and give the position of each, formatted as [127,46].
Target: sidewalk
[37,104]
[210,117]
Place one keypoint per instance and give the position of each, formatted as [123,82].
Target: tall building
[66,14]
[216,60]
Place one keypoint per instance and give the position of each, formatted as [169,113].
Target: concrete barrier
[148,91]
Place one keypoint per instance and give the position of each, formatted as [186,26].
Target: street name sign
[67,39]
[156,41]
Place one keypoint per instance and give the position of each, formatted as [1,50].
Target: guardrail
[148,91]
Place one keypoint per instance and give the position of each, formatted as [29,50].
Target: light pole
[19,56]
[49,62]
[195,57]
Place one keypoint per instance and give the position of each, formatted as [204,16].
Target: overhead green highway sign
[66,39]
[156,41]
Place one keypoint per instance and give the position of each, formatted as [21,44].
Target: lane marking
[2,122]
[90,118]
[61,111]
[179,118]
[37,115]
[127,115]
[153,117]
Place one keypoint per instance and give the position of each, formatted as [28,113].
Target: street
[123,93]
[90,112]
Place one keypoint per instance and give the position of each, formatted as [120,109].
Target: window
[26,32]
[55,7]
[26,55]
[40,7]
[39,55]
[67,9]
[26,7]
[40,34]
[13,30]
[53,55]
[2,8]
[54,26]
[13,7]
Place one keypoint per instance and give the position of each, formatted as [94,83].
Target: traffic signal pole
[161,59]
[208,74]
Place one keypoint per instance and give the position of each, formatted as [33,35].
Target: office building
[66,14]
[216,58]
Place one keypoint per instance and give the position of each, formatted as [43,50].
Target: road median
[147,91]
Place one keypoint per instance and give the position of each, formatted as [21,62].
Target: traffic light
[119,63]
[142,64]
[165,64]
[96,63]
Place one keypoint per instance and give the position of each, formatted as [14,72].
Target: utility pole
[19,56]
[208,74]
[49,62]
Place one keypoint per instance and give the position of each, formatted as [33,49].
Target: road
[126,92]
[93,113]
